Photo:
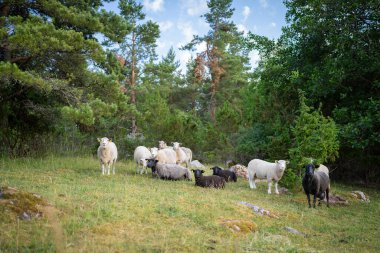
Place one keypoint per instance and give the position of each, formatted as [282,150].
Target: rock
[360,195]
[294,231]
[336,200]
[25,216]
[258,210]
[283,190]
[240,170]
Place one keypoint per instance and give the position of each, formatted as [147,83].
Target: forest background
[314,95]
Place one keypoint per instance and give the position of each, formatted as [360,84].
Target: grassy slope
[137,213]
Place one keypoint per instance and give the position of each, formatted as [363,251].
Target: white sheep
[107,154]
[189,153]
[166,155]
[139,155]
[266,170]
[181,155]
[162,145]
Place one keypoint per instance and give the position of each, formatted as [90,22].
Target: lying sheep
[139,155]
[240,171]
[107,154]
[168,171]
[196,164]
[208,181]
[226,174]
[181,155]
[266,170]
[316,183]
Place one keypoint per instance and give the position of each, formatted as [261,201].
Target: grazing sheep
[107,154]
[162,145]
[226,174]
[181,155]
[316,183]
[208,181]
[139,155]
[240,171]
[168,171]
[266,170]
[166,155]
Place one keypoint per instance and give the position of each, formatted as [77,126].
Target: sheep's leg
[327,197]
[315,199]
[113,167]
[308,199]
[251,179]
[275,187]
[270,187]
[108,169]
[103,170]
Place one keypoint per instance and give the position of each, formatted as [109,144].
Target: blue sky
[179,20]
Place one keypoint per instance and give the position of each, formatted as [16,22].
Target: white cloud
[273,24]
[187,30]
[165,25]
[161,44]
[246,12]
[242,28]
[195,7]
[264,3]
[154,5]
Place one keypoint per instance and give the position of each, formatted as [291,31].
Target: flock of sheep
[166,163]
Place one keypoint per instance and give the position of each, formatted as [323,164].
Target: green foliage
[315,138]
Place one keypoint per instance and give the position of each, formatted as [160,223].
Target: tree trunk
[133,86]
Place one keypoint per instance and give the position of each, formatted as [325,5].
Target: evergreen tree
[137,48]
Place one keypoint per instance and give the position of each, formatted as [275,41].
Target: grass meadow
[136,213]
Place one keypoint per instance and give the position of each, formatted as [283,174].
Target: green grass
[129,213]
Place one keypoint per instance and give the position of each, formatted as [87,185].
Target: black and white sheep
[226,174]
[168,171]
[316,183]
[107,154]
[208,181]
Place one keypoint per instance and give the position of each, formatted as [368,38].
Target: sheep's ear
[110,140]
[202,171]
[287,162]
[98,139]
[276,161]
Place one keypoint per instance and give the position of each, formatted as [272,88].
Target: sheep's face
[154,151]
[104,141]
[162,145]
[215,170]
[309,170]
[281,165]
[198,173]
[175,145]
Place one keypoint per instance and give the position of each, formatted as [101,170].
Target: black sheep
[316,183]
[226,174]
[208,181]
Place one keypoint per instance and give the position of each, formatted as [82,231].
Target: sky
[179,20]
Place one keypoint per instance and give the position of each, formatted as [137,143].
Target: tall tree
[217,40]
[45,51]
[137,48]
